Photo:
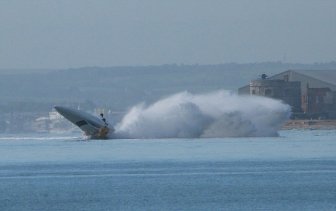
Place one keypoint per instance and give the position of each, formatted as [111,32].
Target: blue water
[296,171]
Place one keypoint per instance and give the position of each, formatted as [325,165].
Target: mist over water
[215,114]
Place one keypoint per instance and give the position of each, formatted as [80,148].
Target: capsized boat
[94,127]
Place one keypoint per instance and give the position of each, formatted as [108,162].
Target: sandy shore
[310,124]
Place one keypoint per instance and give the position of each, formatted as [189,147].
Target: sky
[77,33]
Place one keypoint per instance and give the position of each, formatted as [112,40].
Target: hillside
[122,87]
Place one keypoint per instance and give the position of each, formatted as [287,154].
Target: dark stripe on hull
[81,123]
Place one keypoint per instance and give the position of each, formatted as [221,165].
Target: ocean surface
[295,171]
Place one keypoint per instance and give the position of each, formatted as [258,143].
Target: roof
[315,78]
[328,76]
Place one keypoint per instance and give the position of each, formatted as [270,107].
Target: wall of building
[289,92]
[319,103]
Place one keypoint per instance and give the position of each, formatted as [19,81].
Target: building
[308,95]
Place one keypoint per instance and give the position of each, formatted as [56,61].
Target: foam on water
[216,114]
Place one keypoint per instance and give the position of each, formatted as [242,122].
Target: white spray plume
[216,114]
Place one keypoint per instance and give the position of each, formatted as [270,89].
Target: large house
[311,94]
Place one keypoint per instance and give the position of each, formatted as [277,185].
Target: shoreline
[310,124]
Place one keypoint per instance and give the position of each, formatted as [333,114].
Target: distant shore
[310,124]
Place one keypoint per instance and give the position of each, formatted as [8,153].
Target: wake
[216,114]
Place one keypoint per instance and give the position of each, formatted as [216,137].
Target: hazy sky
[75,33]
